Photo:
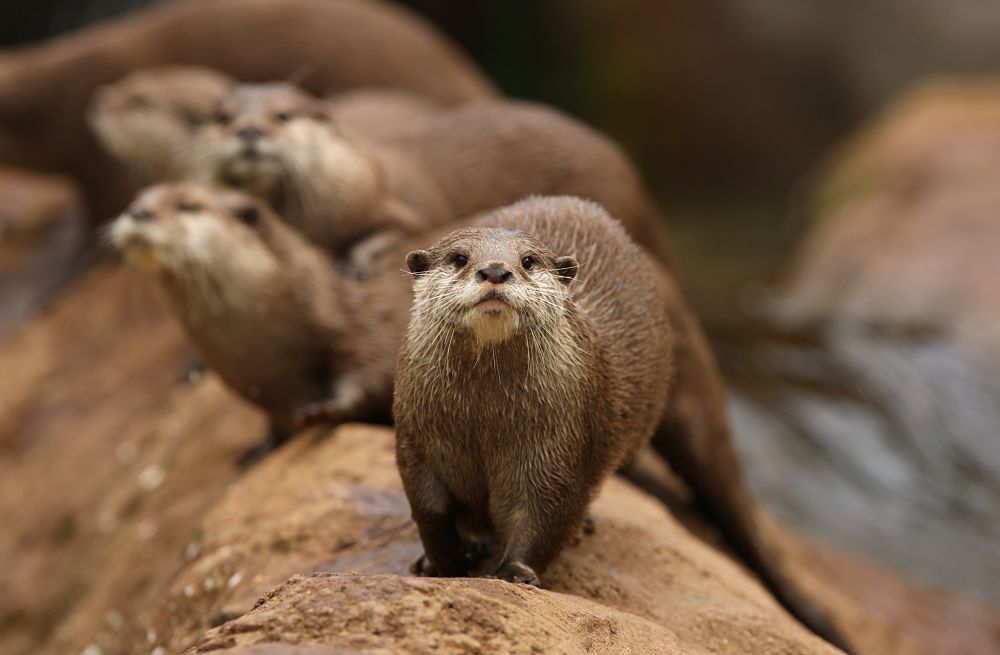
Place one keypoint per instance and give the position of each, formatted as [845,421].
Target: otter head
[188,234]
[262,133]
[148,119]
[491,282]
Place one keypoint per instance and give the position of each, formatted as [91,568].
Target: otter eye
[459,260]
[222,118]
[282,117]
[528,263]
[188,207]
[248,215]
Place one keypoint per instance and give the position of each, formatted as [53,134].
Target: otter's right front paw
[514,571]
[423,567]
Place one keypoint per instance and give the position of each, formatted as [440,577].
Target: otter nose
[250,133]
[140,214]
[494,273]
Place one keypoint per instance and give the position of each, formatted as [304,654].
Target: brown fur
[340,183]
[509,416]
[147,119]
[335,44]
[291,149]
[265,307]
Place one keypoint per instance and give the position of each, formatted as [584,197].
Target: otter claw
[423,567]
[517,572]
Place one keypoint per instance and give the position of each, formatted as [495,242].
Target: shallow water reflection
[885,443]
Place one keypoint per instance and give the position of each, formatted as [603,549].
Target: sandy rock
[343,510]
[907,232]
[106,463]
[392,614]
[41,233]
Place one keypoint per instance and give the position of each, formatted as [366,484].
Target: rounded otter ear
[418,261]
[566,268]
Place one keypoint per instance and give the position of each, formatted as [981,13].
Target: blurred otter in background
[337,44]
[341,185]
[265,307]
[148,118]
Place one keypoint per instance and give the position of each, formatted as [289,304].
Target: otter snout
[495,273]
[250,134]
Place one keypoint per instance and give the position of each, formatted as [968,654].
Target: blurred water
[885,443]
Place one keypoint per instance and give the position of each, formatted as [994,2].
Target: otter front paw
[514,571]
[316,413]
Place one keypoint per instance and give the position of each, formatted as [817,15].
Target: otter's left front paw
[514,571]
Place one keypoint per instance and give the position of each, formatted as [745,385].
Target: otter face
[190,232]
[260,131]
[148,119]
[492,282]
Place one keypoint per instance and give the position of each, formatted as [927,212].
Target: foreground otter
[44,88]
[519,388]
[264,306]
[341,183]
[147,119]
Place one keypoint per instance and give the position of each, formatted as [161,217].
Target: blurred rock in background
[876,390]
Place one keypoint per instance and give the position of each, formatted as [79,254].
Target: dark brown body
[332,44]
[514,437]
[488,155]
[265,308]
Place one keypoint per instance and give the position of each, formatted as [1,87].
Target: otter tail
[695,438]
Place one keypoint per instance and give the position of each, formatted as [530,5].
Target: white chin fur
[490,327]
[136,241]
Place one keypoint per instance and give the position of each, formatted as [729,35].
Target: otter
[265,307]
[341,184]
[147,119]
[334,44]
[521,385]
[285,146]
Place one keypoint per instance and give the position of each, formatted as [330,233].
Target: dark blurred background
[727,105]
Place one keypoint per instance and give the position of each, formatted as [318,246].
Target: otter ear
[248,214]
[566,268]
[418,261]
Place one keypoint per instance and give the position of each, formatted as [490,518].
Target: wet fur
[514,438]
